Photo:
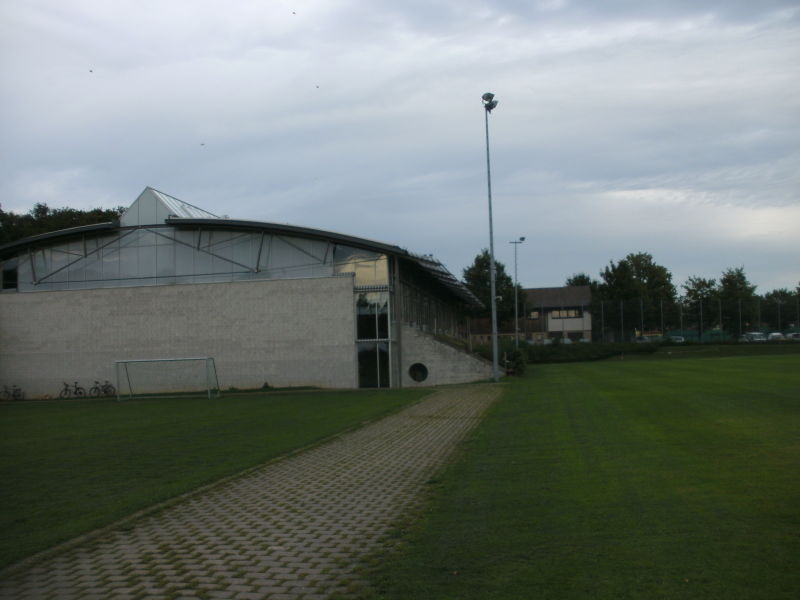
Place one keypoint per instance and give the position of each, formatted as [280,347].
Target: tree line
[635,295]
[724,306]
[43,219]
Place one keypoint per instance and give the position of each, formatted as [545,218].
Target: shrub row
[514,360]
[583,352]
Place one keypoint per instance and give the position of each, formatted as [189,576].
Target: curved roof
[428,264]
[153,208]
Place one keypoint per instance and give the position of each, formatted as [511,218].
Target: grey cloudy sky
[623,126]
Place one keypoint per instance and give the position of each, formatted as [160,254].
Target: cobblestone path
[294,529]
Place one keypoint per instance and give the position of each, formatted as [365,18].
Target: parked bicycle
[75,391]
[105,389]
[15,393]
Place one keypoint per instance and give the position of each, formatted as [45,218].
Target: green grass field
[648,479]
[69,467]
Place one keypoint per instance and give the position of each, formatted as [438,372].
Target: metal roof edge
[60,233]
[293,229]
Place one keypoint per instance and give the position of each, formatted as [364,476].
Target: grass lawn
[69,467]
[620,479]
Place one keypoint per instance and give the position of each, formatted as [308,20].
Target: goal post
[158,376]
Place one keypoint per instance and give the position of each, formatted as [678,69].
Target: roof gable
[568,295]
[153,208]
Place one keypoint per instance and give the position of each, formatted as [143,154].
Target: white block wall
[284,332]
[445,363]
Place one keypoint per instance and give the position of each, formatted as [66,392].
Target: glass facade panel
[92,267]
[370,268]
[165,260]
[147,261]
[165,255]
[373,364]
[372,315]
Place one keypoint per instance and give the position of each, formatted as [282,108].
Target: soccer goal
[153,376]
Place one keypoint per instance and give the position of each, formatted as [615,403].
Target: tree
[738,301]
[700,294]
[582,279]
[734,284]
[699,288]
[637,276]
[636,293]
[43,219]
[476,277]
[779,309]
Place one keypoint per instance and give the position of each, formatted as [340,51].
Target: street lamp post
[489,103]
[516,301]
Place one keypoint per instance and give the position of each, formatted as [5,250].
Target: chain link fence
[711,319]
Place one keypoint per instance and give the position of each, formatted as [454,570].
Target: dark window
[366,326]
[373,365]
[372,316]
[10,279]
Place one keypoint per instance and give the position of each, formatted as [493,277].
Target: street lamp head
[488,101]
[522,238]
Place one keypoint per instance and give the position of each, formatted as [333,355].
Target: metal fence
[704,320]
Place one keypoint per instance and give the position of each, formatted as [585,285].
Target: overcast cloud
[667,127]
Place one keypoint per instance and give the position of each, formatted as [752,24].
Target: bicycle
[105,389]
[76,391]
[15,393]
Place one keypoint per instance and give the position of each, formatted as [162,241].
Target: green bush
[515,361]
[509,357]
[584,352]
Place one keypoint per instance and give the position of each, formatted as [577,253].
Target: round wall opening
[418,372]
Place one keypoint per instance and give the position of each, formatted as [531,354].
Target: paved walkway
[295,529]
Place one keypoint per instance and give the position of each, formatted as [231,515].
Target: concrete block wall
[445,363]
[284,332]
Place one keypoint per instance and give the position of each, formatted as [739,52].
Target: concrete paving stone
[269,590]
[297,527]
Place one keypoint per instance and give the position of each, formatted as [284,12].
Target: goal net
[158,376]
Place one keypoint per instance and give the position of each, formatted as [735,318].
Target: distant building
[545,314]
[271,303]
[557,313]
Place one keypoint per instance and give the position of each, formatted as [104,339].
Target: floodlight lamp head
[488,97]
[522,238]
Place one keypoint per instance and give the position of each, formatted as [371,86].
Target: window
[373,364]
[533,314]
[372,316]
[566,313]
[10,279]
[372,335]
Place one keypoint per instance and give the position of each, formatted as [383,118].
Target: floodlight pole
[488,104]
[516,301]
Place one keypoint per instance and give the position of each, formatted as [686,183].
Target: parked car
[677,339]
[753,336]
[795,337]
[775,335]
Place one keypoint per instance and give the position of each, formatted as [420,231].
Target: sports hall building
[271,303]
